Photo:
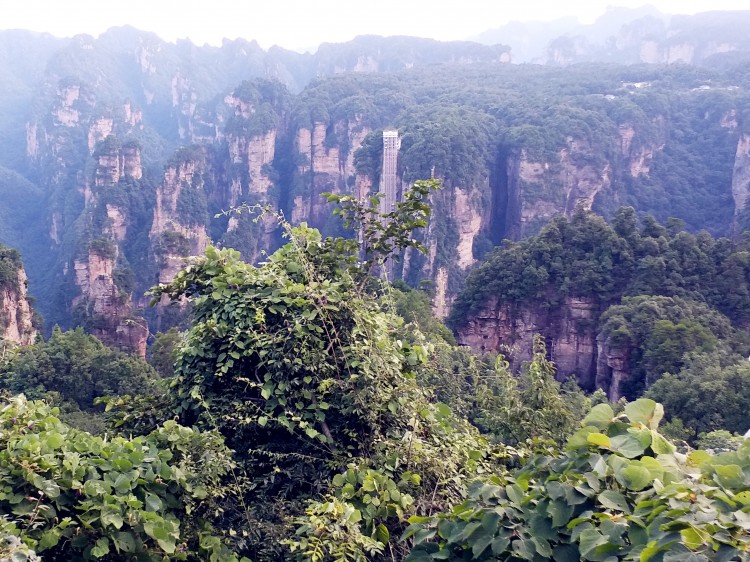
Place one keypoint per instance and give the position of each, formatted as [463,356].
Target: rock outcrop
[107,309]
[328,166]
[179,231]
[569,331]
[16,316]
[741,175]
[541,189]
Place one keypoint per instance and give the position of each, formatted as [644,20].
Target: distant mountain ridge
[626,36]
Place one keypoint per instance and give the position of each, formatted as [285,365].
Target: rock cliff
[741,176]
[16,317]
[103,306]
[327,165]
[569,331]
[178,229]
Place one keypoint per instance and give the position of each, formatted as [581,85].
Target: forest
[314,412]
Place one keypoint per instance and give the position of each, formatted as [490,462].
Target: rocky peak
[108,162]
[174,235]
[131,160]
[242,108]
[65,113]
[132,116]
[114,161]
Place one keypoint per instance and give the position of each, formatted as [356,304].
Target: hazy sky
[305,23]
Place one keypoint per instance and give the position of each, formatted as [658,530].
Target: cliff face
[178,229]
[576,175]
[327,165]
[105,149]
[741,175]
[106,307]
[16,317]
[569,331]
[104,299]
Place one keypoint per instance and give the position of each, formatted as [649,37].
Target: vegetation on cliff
[662,298]
[10,267]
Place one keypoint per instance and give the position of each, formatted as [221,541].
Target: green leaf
[167,545]
[113,518]
[54,440]
[613,500]
[660,445]
[500,545]
[101,548]
[579,440]
[566,553]
[730,476]
[598,439]
[691,538]
[634,477]
[382,534]
[590,539]
[560,511]
[651,550]
[628,445]
[267,391]
[524,549]
[515,494]
[600,416]
[697,458]
[293,267]
[49,539]
[124,541]
[645,411]
[50,488]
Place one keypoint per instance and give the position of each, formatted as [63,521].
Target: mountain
[627,36]
[133,150]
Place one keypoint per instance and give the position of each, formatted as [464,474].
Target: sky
[300,24]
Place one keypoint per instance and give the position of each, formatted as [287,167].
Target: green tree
[296,364]
[75,369]
[514,409]
[707,394]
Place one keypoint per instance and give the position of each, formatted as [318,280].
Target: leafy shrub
[618,492]
[73,496]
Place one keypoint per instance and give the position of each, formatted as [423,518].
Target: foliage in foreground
[618,492]
[296,365]
[72,496]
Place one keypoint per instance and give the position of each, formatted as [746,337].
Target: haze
[298,24]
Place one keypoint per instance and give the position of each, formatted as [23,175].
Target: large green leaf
[600,416]
[634,476]
[730,476]
[613,500]
[598,439]
[645,411]
[660,445]
[628,445]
